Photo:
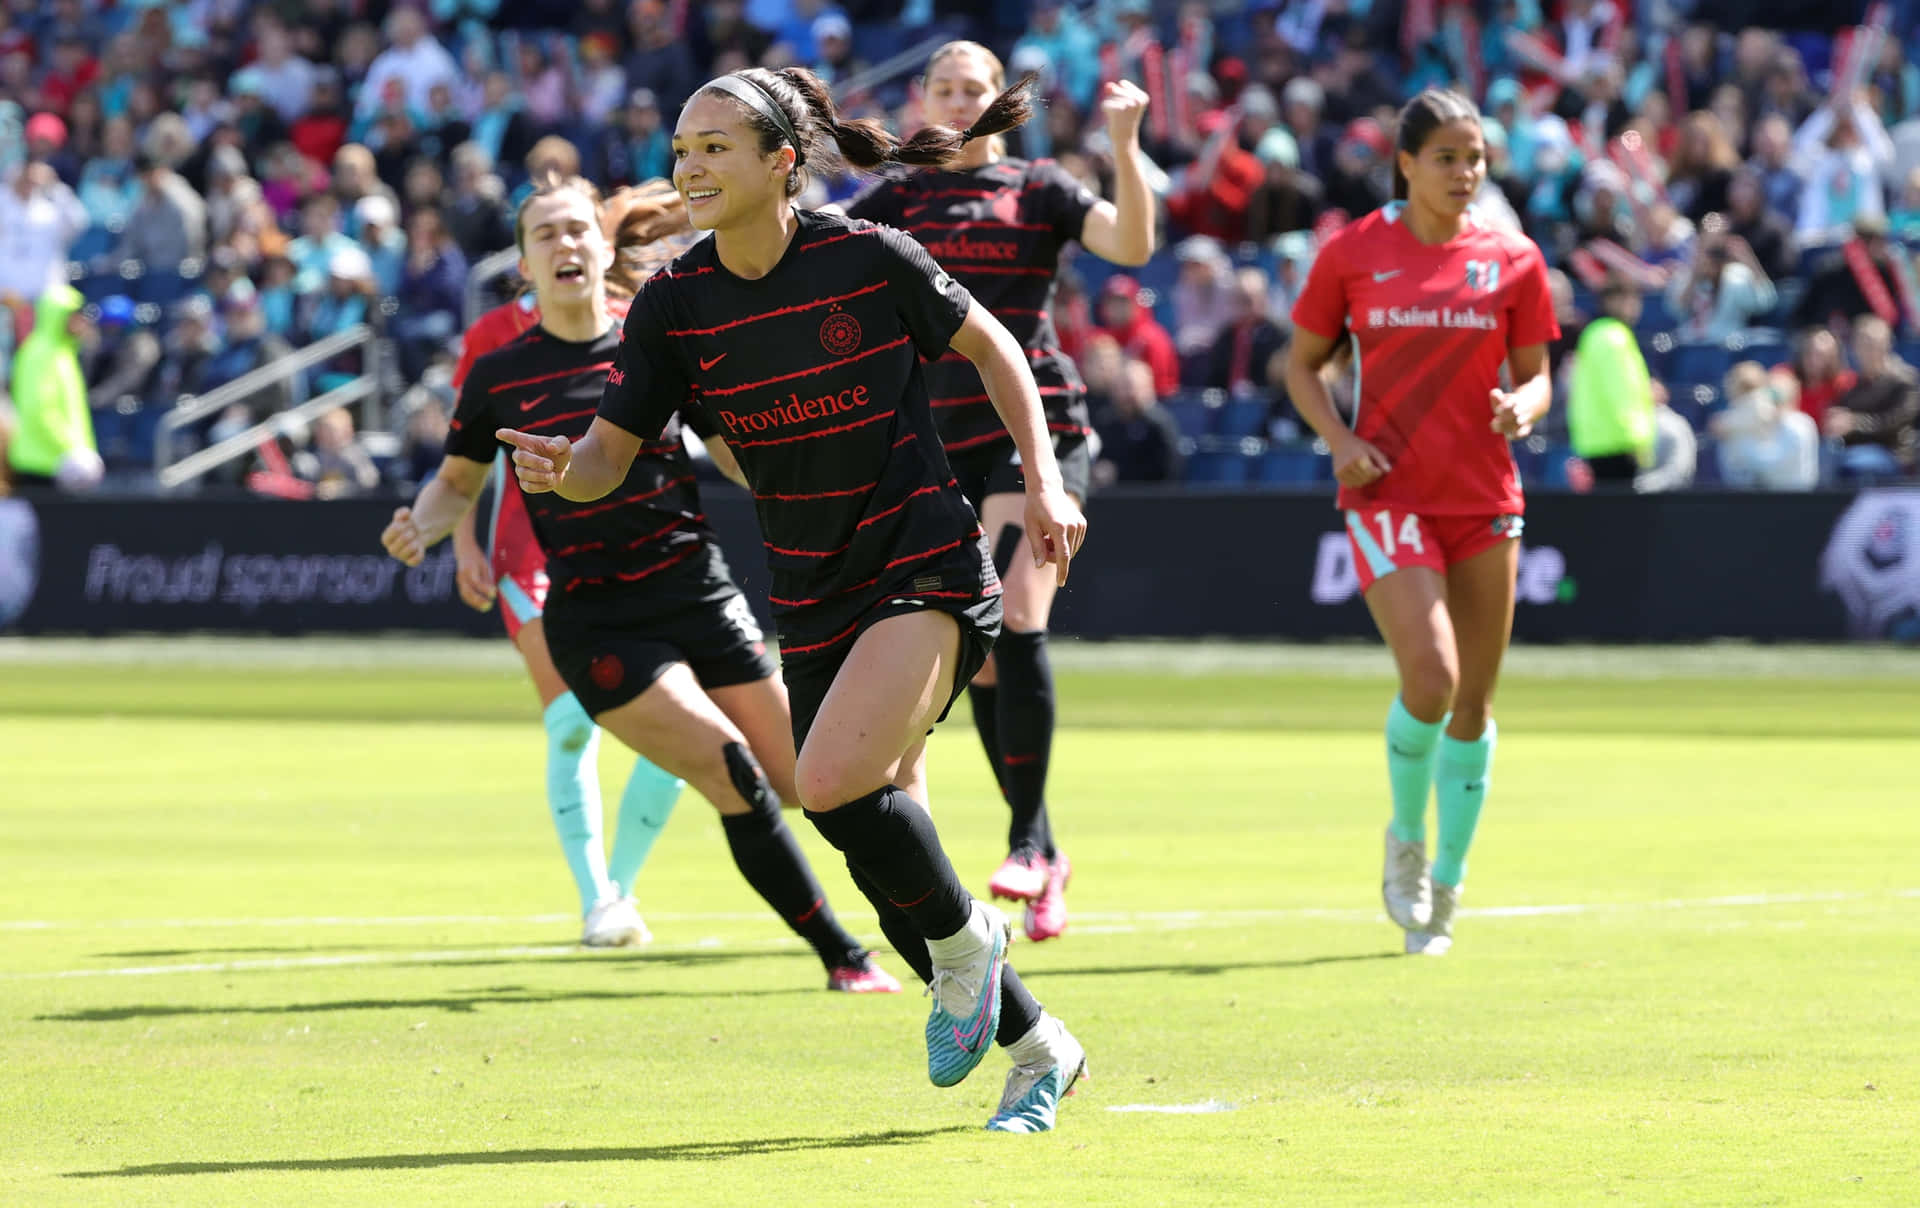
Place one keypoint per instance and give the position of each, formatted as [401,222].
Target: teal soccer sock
[1460,783]
[573,796]
[645,806]
[1410,755]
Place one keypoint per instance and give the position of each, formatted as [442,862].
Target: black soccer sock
[986,719]
[896,926]
[1018,1010]
[1026,735]
[890,838]
[769,857]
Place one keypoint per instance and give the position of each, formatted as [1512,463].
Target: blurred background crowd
[242,237]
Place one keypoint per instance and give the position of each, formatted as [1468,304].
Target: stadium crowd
[191,191]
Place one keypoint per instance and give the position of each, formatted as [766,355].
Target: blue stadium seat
[1294,464]
[1191,413]
[1695,403]
[1706,466]
[1222,466]
[1242,417]
[1698,364]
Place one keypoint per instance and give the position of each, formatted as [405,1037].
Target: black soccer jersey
[646,541]
[999,229]
[812,375]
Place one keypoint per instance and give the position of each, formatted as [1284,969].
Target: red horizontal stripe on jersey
[786,498]
[679,556]
[784,310]
[800,373]
[689,272]
[926,553]
[787,440]
[841,591]
[835,640]
[908,439]
[960,402]
[838,591]
[1016,310]
[583,547]
[656,534]
[558,419]
[879,516]
[836,238]
[805,553]
[549,377]
[611,504]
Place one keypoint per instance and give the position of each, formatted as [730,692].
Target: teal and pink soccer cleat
[966,1006]
[1033,1094]
[1047,914]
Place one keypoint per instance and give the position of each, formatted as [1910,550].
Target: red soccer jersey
[495,329]
[1432,327]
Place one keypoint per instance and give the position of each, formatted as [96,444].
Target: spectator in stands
[501,126]
[169,226]
[1241,357]
[52,441]
[1362,177]
[1847,282]
[834,59]
[1766,233]
[276,294]
[425,185]
[1841,152]
[250,113]
[413,57]
[603,81]
[1302,106]
[1125,315]
[321,131]
[319,242]
[1766,443]
[185,351]
[337,308]
[1139,439]
[1056,30]
[1675,452]
[356,175]
[636,146]
[1722,292]
[381,239]
[1772,162]
[551,156]
[40,217]
[660,60]
[119,366]
[286,78]
[431,294]
[337,465]
[1875,420]
[1701,170]
[1204,301]
[206,107]
[543,85]
[422,446]
[1287,199]
[477,208]
[109,188]
[248,346]
[231,193]
[1820,374]
[1610,415]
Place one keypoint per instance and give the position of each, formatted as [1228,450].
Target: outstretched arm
[1055,525]
[441,503]
[1121,230]
[580,472]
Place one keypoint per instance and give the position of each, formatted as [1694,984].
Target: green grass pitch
[284,923]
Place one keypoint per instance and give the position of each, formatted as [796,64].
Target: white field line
[1086,923]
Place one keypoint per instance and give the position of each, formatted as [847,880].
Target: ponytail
[799,112]
[647,225]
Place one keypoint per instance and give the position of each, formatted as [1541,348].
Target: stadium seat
[1706,465]
[1698,364]
[1223,465]
[1191,412]
[1294,464]
[1242,417]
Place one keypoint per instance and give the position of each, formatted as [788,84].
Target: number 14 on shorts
[1396,531]
[1385,540]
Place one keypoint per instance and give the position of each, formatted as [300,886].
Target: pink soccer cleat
[1022,877]
[1047,914]
[864,978]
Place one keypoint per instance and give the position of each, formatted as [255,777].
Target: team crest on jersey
[840,333]
[1006,206]
[1483,276]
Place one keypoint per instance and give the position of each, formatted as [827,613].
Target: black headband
[753,96]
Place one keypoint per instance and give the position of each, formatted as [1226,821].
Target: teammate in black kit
[644,622]
[798,337]
[999,226]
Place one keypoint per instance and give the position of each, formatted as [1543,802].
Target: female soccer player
[644,623]
[515,570]
[798,336]
[1436,305]
[999,226]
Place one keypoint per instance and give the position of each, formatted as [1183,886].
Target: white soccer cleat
[1436,938]
[615,923]
[1404,883]
[1031,1100]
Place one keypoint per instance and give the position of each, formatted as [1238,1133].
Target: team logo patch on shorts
[1508,526]
[606,672]
[927,583]
[840,333]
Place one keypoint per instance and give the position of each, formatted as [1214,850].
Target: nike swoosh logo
[705,364]
[530,404]
[970,1039]
[1388,276]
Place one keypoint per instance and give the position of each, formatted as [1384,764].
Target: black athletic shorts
[996,469]
[606,661]
[809,676]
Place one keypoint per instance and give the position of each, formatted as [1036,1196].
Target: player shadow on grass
[688,1151]
[1215,968]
